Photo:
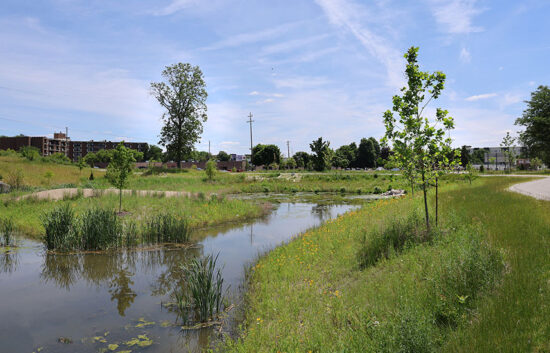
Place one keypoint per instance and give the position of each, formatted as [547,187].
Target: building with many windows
[61,143]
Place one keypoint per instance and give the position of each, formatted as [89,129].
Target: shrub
[15,178]
[100,229]
[210,170]
[165,227]
[393,239]
[59,225]
[377,190]
[204,288]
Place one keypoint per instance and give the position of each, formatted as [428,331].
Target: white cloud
[456,16]
[254,93]
[465,56]
[481,96]
[175,6]
[349,16]
[512,98]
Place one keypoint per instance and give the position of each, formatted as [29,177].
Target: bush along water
[102,229]
[201,299]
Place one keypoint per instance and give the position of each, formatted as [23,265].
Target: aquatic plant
[203,293]
[100,229]
[7,228]
[59,225]
[166,227]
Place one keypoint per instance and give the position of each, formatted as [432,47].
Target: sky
[303,68]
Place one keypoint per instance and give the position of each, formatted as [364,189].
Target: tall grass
[399,234]
[100,229]
[7,228]
[59,225]
[203,293]
[165,227]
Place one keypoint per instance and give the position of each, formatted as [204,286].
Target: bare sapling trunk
[436,201]
[425,199]
[120,200]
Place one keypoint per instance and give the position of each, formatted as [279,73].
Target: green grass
[26,214]
[34,173]
[482,286]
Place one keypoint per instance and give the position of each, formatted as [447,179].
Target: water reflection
[322,212]
[9,260]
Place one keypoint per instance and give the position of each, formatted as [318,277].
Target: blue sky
[304,68]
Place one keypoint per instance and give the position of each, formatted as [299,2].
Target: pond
[116,302]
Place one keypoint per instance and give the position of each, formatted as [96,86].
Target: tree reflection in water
[118,270]
[323,212]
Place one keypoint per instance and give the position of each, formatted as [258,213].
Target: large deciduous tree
[183,96]
[321,154]
[536,120]
[417,143]
[266,155]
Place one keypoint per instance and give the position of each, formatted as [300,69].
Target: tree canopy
[321,154]
[223,156]
[183,96]
[266,155]
[536,121]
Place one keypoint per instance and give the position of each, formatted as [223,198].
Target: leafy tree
[346,154]
[471,173]
[223,156]
[339,160]
[200,156]
[376,145]
[290,163]
[183,96]
[153,153]
[507,144]
[81,164]
[416,142]
[30,152]
[90,159]
[366,154]
[120,168]
[321,151]
[478,156]
[464,156]
[210,169]
[301,158]
[536,121]
[266,155]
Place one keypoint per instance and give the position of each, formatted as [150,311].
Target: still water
[113,302]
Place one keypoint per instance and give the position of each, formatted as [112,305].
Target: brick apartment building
[61,143]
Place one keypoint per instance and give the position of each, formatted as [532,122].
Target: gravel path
[539,189]
[60,194]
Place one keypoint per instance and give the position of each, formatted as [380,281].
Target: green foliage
[507,144]
[464,156]
[166,228]
[120,168]
[420,147]
[15,178]
[471,173]
[223,156]
[99,229]
[301,158]
[31,153]
[153,153]
[7,228]
[366,153]
[210,170]
[536,121]
[59,225]
[183,96]
[393,239]
[58,158]
[266,155]
[320,157]
[204,287]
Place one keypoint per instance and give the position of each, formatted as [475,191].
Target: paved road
[539,189]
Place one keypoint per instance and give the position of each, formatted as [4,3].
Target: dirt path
[539,189]
[60,194]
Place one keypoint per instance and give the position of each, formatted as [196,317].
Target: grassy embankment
[27,213]
[35,173]
[480,286]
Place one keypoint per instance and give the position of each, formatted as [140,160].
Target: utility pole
[209,154]
[250,121]
[288,148]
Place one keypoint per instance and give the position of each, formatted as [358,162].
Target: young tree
[320,156]
[416,142]
[183,96]
[120,168]
[210,170]
[536,121]
[507,144]
[81,164]
[471,173]
[464,156]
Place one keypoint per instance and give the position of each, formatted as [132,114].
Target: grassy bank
[200,212]
[42,174]
[479,286]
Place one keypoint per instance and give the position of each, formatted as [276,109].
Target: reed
[165,227]
[7,228]
[204,288]
[100,229]
[59,225]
